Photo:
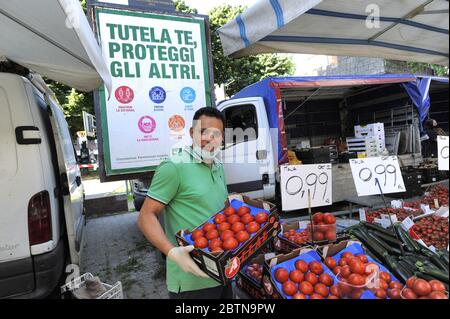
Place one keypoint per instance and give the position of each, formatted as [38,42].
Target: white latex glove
[180,255]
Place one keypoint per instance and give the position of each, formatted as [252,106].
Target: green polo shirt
[192,193]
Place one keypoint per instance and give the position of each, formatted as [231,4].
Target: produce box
[249,277]
[291,276]
[221,251]
[379,284]
[291,236]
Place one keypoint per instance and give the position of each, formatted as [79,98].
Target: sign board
[296,180]
[155,5]
[385,170]
[443,153]
[160,70]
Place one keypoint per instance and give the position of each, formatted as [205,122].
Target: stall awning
[408,30]
[54,39]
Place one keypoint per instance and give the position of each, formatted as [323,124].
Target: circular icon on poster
[124,94]
[176,123]
[187,94]
[147,124]
[157,94]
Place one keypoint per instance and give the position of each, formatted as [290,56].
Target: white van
[41,197]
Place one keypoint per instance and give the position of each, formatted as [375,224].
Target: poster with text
[159,68]
[297,181]
[374,175]
[443,153]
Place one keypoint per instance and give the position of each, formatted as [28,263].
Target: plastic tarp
[53,38]
[408,30]
[417,88]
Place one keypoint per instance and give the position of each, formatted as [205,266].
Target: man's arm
[150,226]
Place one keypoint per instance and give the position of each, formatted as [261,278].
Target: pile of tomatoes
[401,213]
[299,238]
[229,229]
[255,271]
[438,192]
[307,281]
[417,288]
[324,227]
[433,230]
[353,274]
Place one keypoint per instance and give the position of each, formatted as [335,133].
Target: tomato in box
[220,218]
[253,227]
[243,210]
[246,219]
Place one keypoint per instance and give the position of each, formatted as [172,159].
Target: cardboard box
[284,245]
[370,130]
[224,266]
[249,284]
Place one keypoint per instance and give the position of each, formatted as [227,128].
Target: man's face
[207,132]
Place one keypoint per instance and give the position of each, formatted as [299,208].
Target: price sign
[375,173]
[443,153]
[297,180]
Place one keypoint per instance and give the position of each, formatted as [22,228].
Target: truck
[288,113]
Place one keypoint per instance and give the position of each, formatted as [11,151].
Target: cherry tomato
[201,242]
[296,276]
[330,262]
[262,217]
[281,275]
[226,234]
[247,219]
[326,279]
[229,211]
[197,234]
[223,226]
[220,218]
[242,236]
[306,288]
[317,218]
[233,219]
[289,288]
[316,267]
[243,210]
[253,227]
[237,227]
[230,243]
[311,278]
[208,226]
[212,234]
[301,265]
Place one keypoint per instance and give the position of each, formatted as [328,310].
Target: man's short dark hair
[211,112]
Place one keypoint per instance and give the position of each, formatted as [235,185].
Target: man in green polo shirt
[190,187]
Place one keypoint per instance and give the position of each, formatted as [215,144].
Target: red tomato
[212,234]
[394,293]
[321,289]
[243,210]
[385,276]
[337,270]
[237,227]
[363,258]
[326,279]
[215,245]
[197,234]
[330,235]
[408,293]
[286,234]
[306,288]
[421,287]
[347,254]
[296,276]
[356,293]
[262,217]
[316,296]
[357,266]
[343,262]
[201,242]
[301,265]
[329,219]
[281,275]
[299,295]
[316,267]
[317,218]
[318,236]
[383,284]
[438,295]
[292,232]
[253,227]
[330,262]
[223,226]
[395,285]
[334,290]
[356,280]
[289,288]
[345,271]
[332,297]
[229,211]
[247,219]
[233,219]
[344,289]
[220,218]
[410,281]
[291,238]
[230,243]
[380,293]
[311,278]
[437,285]
[208,226]
[242,236]
[226,234]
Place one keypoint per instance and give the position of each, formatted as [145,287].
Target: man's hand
[180,255]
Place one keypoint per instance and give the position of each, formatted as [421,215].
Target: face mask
[205,155]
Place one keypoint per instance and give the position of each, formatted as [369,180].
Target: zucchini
[379,229]
[406,239]
[435,272]
[385,246]
[370,245]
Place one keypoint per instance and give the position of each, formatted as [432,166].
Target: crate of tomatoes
[323,228]
[293,235]
[249,278]
[224,242]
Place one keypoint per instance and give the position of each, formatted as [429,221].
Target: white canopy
[53,38]
[409,30]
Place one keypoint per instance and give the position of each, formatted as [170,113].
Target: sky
[305,64]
